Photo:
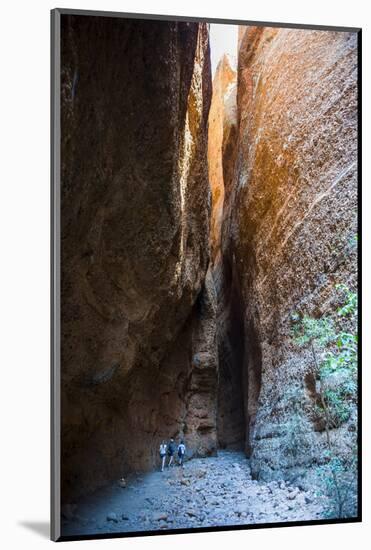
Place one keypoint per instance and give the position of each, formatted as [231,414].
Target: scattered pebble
[160,516]
[112,517]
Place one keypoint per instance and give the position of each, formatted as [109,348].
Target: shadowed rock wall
[135,222]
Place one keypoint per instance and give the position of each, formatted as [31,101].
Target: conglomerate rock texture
[289,219]
[138,308]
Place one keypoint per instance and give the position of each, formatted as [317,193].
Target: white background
[24,286]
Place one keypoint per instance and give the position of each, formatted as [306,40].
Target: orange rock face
[230,339]
[221,118]
[291,220]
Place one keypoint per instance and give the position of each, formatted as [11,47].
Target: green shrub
[334,353]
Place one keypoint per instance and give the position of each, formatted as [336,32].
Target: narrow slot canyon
[199,213]
[239,357]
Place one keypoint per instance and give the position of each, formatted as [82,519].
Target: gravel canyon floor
[207,492]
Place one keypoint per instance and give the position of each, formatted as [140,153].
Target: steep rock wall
[222,118]
[135,222]
[290,219]
[230,337]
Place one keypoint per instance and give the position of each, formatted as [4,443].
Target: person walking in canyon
[181,453]
[171,451]
[163,447]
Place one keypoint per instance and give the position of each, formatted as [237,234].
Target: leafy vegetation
[333,344]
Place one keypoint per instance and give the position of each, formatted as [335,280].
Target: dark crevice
[231,350]
[252,381]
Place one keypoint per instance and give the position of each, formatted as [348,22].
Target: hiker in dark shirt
[171,451]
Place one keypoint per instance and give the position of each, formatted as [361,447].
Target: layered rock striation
[138,310]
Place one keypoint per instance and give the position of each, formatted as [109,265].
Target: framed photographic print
[205,246]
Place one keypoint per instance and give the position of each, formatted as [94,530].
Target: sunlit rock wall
[291,224]
[222,116]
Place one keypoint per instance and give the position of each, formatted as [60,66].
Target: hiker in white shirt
[163,448]
[181,452]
